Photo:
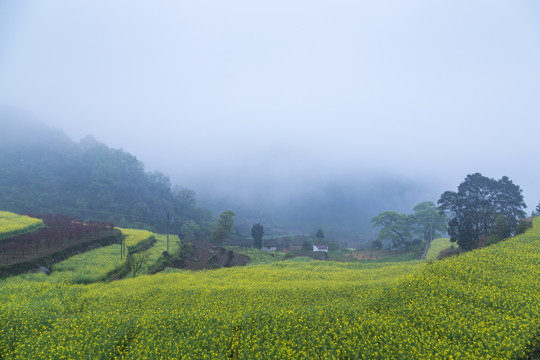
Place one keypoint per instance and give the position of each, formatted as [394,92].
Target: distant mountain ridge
[43,171]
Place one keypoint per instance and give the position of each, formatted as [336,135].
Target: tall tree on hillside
[225,224]
[320,235]
[475,206]
[395,227]
[429,221]
[509,202]
[257,232]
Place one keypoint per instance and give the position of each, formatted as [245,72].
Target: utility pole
[122,247]
[168,224]
[168,219]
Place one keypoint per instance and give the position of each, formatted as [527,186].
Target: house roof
[321,246]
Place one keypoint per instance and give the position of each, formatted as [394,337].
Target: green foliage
[501,228]
[51,174]
[376,244]
[307,246]
[320,234]
[537,210]
[135,262]
[189,231]
[156,251]
[104,262]
[523,225]
[465,307]
[257,232]
[395,227]
[401,229]
[92,266]
[258,257]
[430,223]
[225,225]
[475,206]
[13,224]
[449,252]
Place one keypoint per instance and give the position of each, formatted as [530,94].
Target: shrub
[523,225]
[448,252]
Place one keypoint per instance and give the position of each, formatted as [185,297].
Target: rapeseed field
[13,224]
[480,305]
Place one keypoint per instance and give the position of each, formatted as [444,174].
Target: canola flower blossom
[480,305]
[13,224]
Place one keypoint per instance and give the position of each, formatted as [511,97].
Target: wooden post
[167,232]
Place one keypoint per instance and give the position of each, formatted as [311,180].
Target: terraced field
[481,305]
[13,224]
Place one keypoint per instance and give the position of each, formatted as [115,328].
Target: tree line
[402,230]
[481,212]
[43,171]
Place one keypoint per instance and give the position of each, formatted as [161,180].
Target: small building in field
[269,245]
[320,247]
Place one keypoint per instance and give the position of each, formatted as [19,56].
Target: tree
[189,230]
[500,231]
[536,212]
[320,234]
[257,232]
[306,246]
[429,221]
[134,262]
[225,224]
[501,228]
[475,206]
[395,227]
[510,202]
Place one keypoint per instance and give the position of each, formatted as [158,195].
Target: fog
[272,99]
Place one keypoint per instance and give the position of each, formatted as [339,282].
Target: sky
[287,92]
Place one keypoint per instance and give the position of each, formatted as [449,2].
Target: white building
[320,247]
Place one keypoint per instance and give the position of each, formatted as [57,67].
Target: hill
[479,305]
[43,171]
[341,205]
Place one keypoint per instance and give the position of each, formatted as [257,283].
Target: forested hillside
[43,171]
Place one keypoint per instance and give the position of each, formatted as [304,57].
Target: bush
[448,252]
[376,244]
[288,256]
[490,240]
[523,225]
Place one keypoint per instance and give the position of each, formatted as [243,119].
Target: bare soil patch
[206,255]
[363,255]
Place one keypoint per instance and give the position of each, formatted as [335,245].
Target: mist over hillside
[340,205]
[45,171]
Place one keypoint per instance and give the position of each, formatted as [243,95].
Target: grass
[156,251]
[437,245]
[257,256]
[91,266]
[12,224]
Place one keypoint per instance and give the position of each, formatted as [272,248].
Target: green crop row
[99,264]
[12,224]
[438,245]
